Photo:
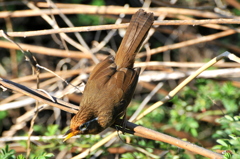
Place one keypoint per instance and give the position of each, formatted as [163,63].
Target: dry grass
[184,48]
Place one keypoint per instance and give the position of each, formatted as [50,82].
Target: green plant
[6,153]
[228,136]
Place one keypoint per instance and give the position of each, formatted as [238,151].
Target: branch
[138,130]
[122,26]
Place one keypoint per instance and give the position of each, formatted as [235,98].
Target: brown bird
[112,82]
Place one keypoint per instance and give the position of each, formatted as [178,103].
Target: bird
[112,82]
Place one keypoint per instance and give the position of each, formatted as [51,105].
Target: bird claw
[124,124]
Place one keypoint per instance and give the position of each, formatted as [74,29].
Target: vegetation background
[206,112]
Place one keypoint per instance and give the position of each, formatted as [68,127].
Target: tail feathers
[135,35]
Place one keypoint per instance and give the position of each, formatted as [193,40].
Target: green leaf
[20,157]
[3,114]
[227,156]
[49,155]
[98,2]
[236,118]
[222,142]
[127,156]
[51,130]
[194,132]
[229,117]
[6,153]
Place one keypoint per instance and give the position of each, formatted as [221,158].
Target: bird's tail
[135,35]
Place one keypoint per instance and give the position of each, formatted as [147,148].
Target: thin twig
[121,26]
[113,10]
[145,101]
[187,80]
[45,50]
[190,42]
[32,138]
[41,97]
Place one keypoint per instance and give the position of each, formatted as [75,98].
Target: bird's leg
[124,123]
[120,125]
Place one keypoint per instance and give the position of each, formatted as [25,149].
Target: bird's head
[79,127]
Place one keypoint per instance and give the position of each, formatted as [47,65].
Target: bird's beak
[70,133]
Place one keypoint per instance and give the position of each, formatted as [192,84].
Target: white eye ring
[84,126]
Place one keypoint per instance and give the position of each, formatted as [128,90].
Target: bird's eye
[83,127]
